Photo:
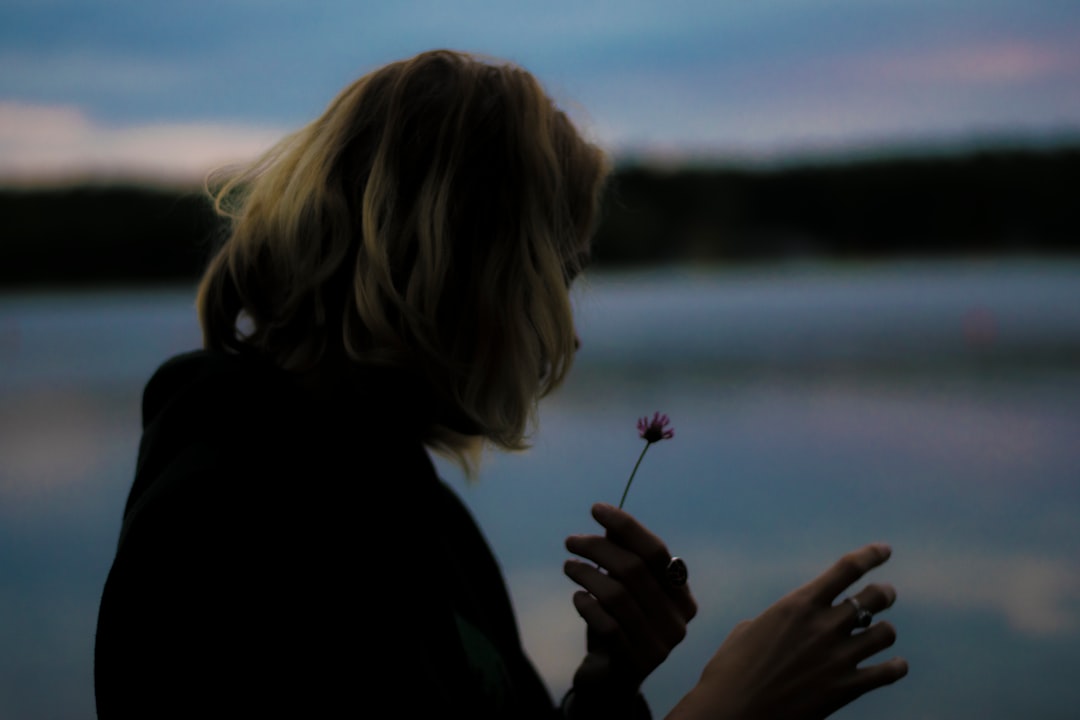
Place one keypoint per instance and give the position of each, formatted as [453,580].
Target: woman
[396,281]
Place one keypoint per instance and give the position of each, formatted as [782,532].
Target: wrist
[702,702]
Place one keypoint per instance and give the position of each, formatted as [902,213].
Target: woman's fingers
[847,570]
[610,593]
[617,614]
[860,682]
[874,598]
[634,615]
[868,643]
[628,573]
[624,529]
[598,620]
[667,616]
[626,532]
[803,656]
[863,680]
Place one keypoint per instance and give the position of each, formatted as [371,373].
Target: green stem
[633,473]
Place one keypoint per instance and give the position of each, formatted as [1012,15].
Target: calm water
[936,406]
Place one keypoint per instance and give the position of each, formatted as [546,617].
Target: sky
[172,89]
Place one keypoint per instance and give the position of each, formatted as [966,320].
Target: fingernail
[883,548]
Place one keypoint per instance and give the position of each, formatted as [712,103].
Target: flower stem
[633,473]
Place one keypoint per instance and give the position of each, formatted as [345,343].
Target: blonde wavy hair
[432,220]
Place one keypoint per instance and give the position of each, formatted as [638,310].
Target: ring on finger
[676,572]
[863,617]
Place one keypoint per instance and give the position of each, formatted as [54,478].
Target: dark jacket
[286,552]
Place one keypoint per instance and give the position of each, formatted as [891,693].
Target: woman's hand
[634,617]
[800,658]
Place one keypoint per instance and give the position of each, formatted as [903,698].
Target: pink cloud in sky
[42,143]
[1010,62]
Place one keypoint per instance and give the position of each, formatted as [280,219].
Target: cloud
[853,95]
[1035,594]
[83,72]
[1001,63]
[50,142]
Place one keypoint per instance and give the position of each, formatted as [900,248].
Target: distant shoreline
[1004,202]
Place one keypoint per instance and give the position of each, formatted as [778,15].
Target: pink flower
[650,431]
[654,430]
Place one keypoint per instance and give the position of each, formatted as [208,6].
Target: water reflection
[815,411]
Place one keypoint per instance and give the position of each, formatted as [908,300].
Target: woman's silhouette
[395,281]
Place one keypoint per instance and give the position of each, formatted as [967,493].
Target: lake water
[816,408]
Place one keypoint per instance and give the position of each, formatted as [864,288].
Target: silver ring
[676,573]
[863,617]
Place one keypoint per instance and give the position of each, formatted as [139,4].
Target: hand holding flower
[635,608]
[634,617]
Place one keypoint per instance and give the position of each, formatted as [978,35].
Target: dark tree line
[1017,202]
[987,203]
[103,235]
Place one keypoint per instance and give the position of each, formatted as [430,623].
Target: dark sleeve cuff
[573,708]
